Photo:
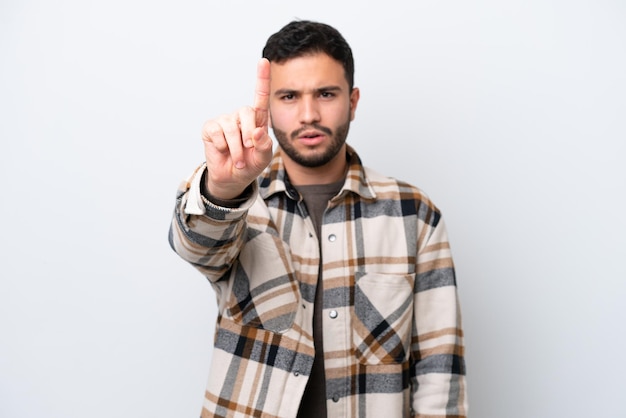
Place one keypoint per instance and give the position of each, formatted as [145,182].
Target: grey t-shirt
[313,404]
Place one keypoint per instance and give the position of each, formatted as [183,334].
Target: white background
[509,114]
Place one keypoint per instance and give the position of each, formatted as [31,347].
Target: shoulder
[386,187]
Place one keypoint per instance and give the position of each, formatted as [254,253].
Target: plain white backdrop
[510,115]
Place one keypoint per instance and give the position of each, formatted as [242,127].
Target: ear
[355,95]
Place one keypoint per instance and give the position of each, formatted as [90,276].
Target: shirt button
[332,237]
[296,373]
[333,314]
[335,398]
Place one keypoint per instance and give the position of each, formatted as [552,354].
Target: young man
[335,285]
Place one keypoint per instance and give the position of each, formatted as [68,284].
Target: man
[335,285]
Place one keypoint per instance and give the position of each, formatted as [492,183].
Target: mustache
[315,126]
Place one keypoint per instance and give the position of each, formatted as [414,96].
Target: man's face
[311,108]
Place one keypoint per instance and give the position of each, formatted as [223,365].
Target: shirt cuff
[197,204]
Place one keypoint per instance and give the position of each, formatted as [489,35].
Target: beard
[320,157]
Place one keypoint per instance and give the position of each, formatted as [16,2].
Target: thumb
[261,139]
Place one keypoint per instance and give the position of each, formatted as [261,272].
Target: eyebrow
[281,92]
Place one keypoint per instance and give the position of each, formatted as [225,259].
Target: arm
[207,236]
[438,368]
[237,148]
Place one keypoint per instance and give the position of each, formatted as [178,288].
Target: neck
[330,172]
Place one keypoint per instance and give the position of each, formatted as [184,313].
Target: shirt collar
[274,179]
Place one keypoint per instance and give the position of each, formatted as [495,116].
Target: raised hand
[237,146]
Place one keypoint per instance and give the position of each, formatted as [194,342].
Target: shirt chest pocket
[263,292]
[383,317]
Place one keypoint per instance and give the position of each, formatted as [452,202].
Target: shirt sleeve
[204,234]
[438,382]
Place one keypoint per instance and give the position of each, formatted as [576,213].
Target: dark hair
[304,37]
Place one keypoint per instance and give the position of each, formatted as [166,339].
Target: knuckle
[232,131]
[246,114]
[210,130]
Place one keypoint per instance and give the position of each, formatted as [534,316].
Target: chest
[350,235]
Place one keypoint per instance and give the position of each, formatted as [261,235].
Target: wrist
[229,197]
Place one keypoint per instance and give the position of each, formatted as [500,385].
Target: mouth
[310,137]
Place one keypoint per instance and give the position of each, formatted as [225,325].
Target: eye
[287,97]
[327,94]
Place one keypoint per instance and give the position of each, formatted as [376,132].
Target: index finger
[262,92]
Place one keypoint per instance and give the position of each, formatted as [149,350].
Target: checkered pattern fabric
[393,343]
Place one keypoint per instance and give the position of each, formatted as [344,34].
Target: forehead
[307,72]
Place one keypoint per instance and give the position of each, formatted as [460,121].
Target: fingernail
[248,143]
[240,164]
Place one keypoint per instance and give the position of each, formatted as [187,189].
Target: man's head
[312,97]
[303,37]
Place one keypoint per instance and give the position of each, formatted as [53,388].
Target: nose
[309,110]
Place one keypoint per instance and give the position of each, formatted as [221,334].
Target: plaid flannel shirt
[393,343]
